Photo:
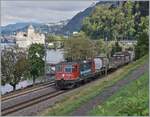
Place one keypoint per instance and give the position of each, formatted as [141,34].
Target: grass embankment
[81,95]
[132,99]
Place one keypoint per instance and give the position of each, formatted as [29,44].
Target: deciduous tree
[79,47]
[36,55]
[116,48]
[115,23]
[142,46]
[14,65]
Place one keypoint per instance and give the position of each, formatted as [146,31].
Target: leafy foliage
[100,47]
[116,48]
[134,106]
[14,66]
[113,23]
[142,46]
[99,23]
[58,41]
[137,105]
[35,57]
[52,38]
[79,47]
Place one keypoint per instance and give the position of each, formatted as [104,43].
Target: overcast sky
[42,11]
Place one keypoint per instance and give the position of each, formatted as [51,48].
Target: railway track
[36,100]
[31,102]
[23,92]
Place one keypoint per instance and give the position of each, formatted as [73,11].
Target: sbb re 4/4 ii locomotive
[69,74]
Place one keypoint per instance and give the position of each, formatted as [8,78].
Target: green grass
[132,99]
[83,94]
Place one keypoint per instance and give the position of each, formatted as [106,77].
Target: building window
[25,35]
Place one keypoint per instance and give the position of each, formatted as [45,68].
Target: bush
[134,106]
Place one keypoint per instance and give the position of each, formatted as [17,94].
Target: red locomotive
[69,74]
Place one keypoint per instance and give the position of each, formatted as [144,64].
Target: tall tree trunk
[14,87]
[33,79]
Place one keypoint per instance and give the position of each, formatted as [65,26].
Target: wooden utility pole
[45,66]
[106,55]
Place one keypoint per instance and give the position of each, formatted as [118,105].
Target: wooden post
[106,56]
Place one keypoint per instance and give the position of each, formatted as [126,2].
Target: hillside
[13,28]
[75,23]
[130,100]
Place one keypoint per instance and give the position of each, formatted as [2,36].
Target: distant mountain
[39,27]
[56,27]
[13,28]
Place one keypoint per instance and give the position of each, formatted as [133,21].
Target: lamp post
[106,54]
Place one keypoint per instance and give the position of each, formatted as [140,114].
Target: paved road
[109,91]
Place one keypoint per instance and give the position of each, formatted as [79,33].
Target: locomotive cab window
[58,68]
[68,69]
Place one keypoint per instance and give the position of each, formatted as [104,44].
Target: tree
[56,40]
[79,47]
[14,65]
[100,47]
[115,23]
[116,48]
[117,28]
[36,54]
[99,23]
[142,46]
[129,20]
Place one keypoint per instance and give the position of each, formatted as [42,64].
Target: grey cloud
[52,5]
[40,11]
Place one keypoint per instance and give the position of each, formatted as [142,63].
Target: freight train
[71,74]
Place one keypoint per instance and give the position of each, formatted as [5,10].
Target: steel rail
[31,102]
[22,92]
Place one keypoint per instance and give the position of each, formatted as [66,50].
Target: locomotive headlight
[63,75]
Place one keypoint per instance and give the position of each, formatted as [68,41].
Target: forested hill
[116,22]
[75,23]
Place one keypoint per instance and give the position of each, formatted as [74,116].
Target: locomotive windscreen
[68,68]
[58,67]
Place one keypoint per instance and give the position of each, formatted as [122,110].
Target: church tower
[30,30]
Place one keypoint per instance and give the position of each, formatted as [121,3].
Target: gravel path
[109,91]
